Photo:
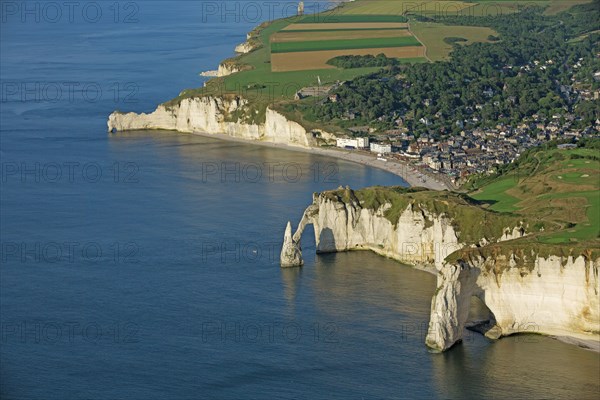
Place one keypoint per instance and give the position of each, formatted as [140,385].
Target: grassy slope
[263,88]
[268,87]
[562,215]
[560,187]
[432,35]
[271,87]
[475,8]
[495,193]
[469,218]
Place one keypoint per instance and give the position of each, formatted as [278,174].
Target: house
[355,143]
[380,148]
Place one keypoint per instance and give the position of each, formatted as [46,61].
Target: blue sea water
[145,265]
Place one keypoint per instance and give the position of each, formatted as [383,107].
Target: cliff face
[418,237]
[215,115]
[244,48]
[558,296]
[252,41]
[291,253]
[226,69]
[523,291]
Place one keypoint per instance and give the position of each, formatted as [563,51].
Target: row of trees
[379,60]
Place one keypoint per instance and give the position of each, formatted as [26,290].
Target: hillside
[559,188]
[526,243]
[479,85]
[283,56]
[554,193]
[472,221]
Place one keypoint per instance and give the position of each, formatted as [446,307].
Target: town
[476,149]
[479,151]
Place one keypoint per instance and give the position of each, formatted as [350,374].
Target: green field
[495,194]
[474,8]
[589,229]
[318,45]
[403,7]
[263,87]
[344,30]
[562,219]
[432,36]
[503,7]
[559,188]
[335,17]
[557,6]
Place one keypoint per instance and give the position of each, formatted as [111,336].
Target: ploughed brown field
[345,25]
[330,35]
[307,60]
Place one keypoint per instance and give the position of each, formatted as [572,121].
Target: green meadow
[335,17]
[558,188]
[495,194]
[287,47]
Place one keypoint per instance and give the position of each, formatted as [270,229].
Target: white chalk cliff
[551,295]
[244,48]
[523,291]
[418,237]
[251,42]
[213,114]
[291,253]
[226,69]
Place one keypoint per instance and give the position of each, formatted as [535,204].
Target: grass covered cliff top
[257,82]
[559,187]
[554,192]
[472,221]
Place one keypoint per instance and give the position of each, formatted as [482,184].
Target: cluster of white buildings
[363,143]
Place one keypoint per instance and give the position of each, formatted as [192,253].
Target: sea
[145,265]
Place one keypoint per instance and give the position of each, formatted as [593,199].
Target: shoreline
[407,172]
[582,343]
[411,176]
